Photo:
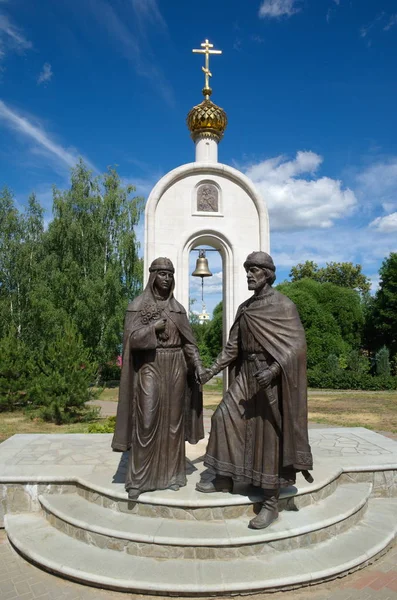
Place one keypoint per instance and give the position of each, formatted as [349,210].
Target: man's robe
[248,445]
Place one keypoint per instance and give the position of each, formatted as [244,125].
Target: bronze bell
[202,269]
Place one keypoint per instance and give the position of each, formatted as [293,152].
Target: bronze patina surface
[259,430]
[160,402]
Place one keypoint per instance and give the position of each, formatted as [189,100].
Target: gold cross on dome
[207,50]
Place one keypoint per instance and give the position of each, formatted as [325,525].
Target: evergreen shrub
[15,370]
[382,362]
[64,380]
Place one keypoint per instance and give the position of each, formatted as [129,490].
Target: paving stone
[22,587]
[38,589]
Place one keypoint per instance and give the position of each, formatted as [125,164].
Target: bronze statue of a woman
[160,401]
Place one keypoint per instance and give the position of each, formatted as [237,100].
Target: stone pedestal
[66,511]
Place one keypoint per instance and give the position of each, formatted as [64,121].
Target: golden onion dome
[207,119]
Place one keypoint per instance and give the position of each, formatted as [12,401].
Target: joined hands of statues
[201,374]
[264,378]
[205,375]
[159,325]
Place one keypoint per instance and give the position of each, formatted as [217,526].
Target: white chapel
[206,202]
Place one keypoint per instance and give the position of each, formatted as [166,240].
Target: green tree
[15,372]
[308,269]
[214,332]
[92,256]
[71,282]
[11,236]
[332,317]
[344,274]
[332,364]
[382,362]
[382,314]
[21,253]
[358,362]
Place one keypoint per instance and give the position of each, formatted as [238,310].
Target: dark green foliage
[200,331]
[62,385]
[332,317]
[110,371]
[382,362]
[214,332]
[208,335]
[71,282]
[382,312]
[92,263]
[332,365]
[15,370]
[358,362]
[349,380]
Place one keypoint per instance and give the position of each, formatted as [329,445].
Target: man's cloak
[276,326]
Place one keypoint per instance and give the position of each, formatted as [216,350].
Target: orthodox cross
[206,49]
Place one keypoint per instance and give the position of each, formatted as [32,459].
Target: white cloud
[378,183]
[42,141]
[148,13]
[46,74]
[278,8]
[300,203]
[11,38]
[387,224]
[366,246]
[375,281]
[392,21]
[367,28]
[212,285]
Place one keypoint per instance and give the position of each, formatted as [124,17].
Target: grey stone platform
[66,510]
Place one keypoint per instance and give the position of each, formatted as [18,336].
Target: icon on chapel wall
[207,198]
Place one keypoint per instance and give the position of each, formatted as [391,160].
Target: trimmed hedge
[348,380]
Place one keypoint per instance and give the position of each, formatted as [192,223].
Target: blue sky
[309,87]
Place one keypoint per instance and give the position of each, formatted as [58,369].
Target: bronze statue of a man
[160,402]
[259,431]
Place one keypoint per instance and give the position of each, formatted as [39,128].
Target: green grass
[343,408]
[17,422]
[110,394]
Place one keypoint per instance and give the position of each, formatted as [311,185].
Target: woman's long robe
[160,405]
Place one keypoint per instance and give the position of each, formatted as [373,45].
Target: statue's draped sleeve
[143,337]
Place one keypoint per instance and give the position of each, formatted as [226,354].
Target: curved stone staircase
[196,544]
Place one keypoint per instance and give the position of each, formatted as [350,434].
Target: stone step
[188,503]
[164,537]
[44,545]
